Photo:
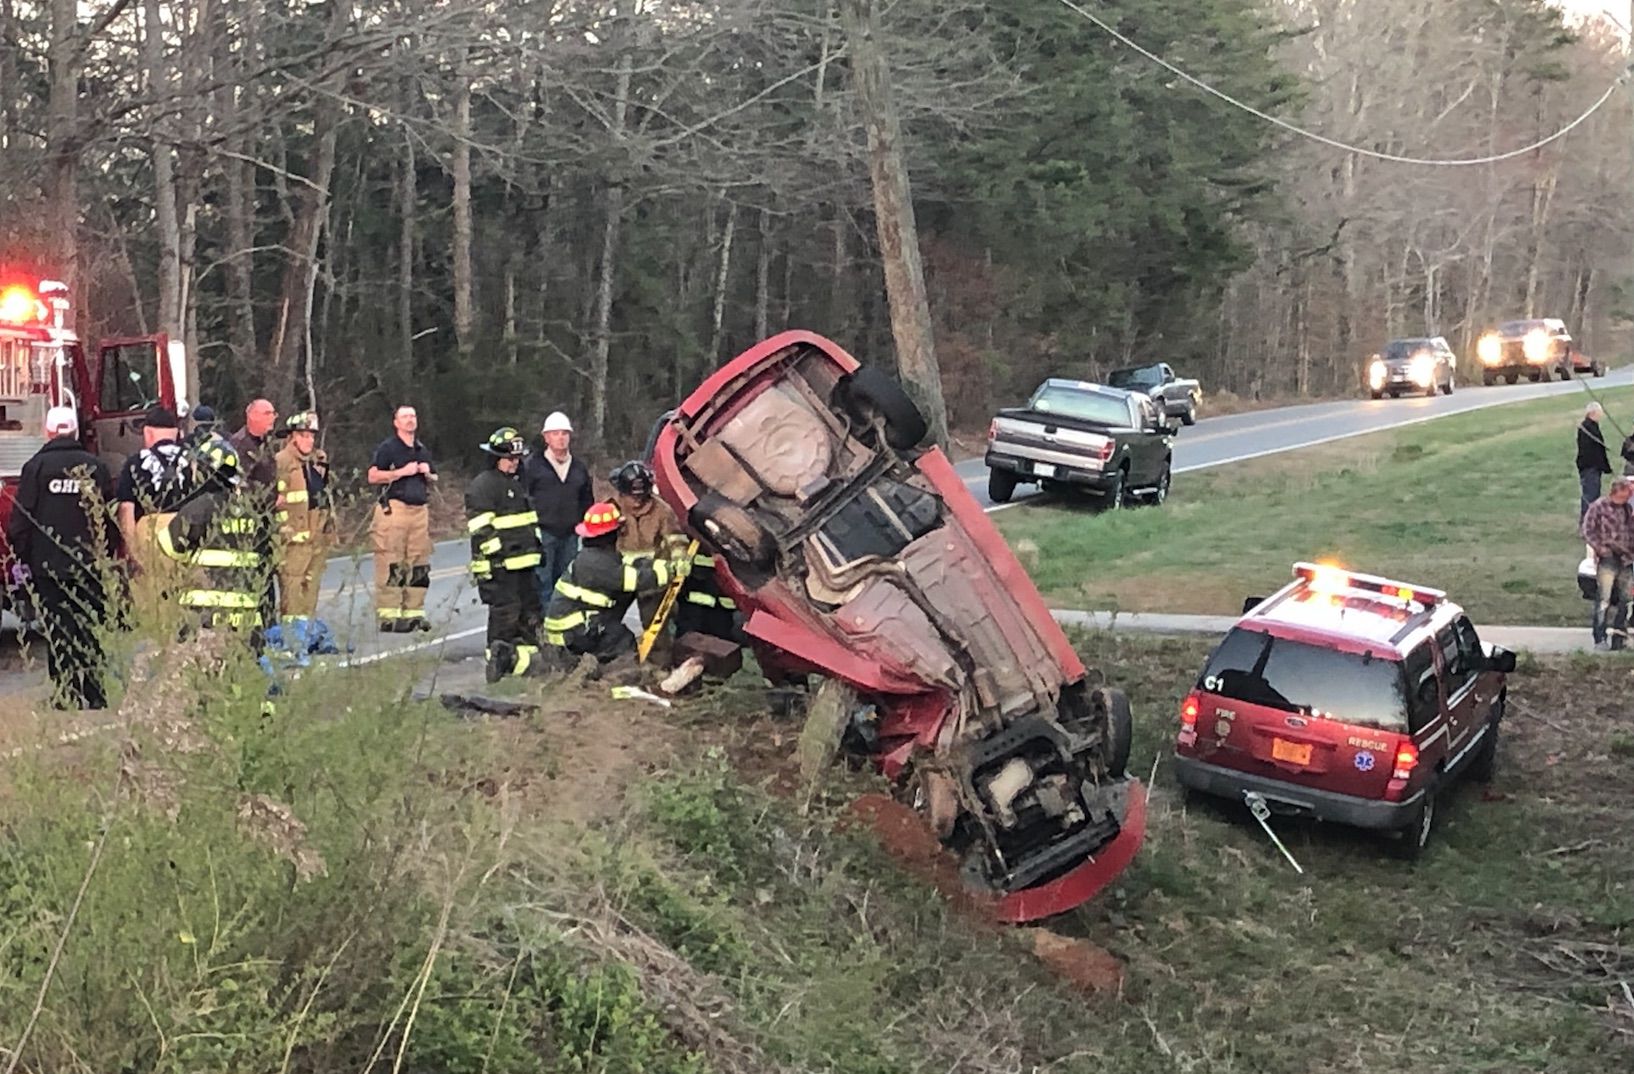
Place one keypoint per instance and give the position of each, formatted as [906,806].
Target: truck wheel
[1566,371]
[1513,378]
[870,389]
[1599,369]
[1113,499]
[1488,379]
[1190,415]
[1446,389]
[1409,844]
[1109,709]
[1001,485]
[734,533]
[1534,376]
[1160,491]
[1431,390]
[1376,395]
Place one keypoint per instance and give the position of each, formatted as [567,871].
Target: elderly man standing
[1608,527]
[1593,461]
[558,487]
[259,477]
[401,527]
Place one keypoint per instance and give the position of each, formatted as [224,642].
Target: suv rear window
[1259,669]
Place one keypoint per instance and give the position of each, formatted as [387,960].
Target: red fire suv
[1349,698]
[43,364]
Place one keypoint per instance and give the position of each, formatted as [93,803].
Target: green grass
[1483,505]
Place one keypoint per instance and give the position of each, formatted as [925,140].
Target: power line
[1393,158]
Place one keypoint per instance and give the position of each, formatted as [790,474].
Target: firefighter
[304,526]
[650,532]
[62,532]
[221,534]
[401,526]
[702,607]
[586,613]
[505,554]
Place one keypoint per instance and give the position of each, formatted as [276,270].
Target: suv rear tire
[868,388]
[1001,485]
[1415,835]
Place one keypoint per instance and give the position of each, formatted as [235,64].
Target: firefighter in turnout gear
[304,526]
[586,613]
[505,553]
[222,535]
[650,533]
[702,607]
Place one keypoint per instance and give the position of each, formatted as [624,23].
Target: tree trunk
[62,141]
[406,202]
[1543,196]
[464,313]
[723,275]
[763,269]
[614,213]
[8,77]
[240,214]
[893,216]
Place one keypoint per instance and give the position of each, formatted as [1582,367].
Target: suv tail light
[1406,759]
[1188,720]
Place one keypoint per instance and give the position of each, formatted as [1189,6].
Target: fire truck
[43,364]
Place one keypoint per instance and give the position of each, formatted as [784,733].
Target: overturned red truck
[43,364]
[859,555]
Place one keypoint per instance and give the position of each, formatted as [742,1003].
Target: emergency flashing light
[19,305]
[1331,579]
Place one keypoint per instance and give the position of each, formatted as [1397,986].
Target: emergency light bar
[1328,578]
[20,306]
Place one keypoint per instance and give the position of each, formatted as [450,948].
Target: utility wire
[1393,158]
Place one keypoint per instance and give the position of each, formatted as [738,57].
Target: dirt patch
[910,840]
[1092,970]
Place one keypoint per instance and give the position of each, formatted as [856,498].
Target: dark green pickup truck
[1073,435]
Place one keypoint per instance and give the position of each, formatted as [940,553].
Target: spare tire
[729,530]
[1109,708]
[869,389]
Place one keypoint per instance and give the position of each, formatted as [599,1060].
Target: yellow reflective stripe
[552,638]
[481,566]
[522,562]
[511,522]
[219,598]
[490,546]
[562,623]
[298,538]
[224,557]
[399,613]
[298,496]
[281,516]
[477,522]
[583,595]
[168,546]
[702,560]
[524,657]
[283,486]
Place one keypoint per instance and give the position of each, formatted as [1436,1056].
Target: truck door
[1460,675]
[131,375]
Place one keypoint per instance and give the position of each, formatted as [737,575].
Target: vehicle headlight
[1490,349]
[1422,369]
[1536,345]
[1376,372]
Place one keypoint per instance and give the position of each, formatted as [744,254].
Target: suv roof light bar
[1331,578]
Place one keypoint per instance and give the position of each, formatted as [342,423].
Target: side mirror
[1501,659]
[1249,603]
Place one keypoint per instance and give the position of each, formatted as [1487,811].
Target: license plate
[1043,469]
[1292,752]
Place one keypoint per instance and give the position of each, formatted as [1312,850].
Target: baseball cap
[61,419]
[203,415]
[557,423]
[160,417]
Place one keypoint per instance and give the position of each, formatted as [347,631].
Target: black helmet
[219,459]
[505,443]
[634,478]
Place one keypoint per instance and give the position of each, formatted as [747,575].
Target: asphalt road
[458,618]
[1237,437]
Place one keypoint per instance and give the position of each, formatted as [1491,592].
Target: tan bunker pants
[402,564]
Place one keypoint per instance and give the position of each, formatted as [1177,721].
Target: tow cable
[1262,813]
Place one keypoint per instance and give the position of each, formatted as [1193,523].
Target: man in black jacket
[558,486]
[1593,462]
[62,531]
[504,556]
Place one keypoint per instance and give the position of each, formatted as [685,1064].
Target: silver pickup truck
[1073,435]
[1178,396]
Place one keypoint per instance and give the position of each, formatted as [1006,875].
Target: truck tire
[1160,491]
[1513,378]
[1409,844]
[1488,379]
[1190,415]
[1566,370]
[1446,389]
[870,389]
[1001,485]
[1117,492]
[1109,708]
[1599,369]
[729,530]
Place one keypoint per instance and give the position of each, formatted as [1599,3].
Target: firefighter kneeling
[222,533]
[586,613]
[505,551]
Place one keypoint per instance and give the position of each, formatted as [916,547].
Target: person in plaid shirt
[1608,527]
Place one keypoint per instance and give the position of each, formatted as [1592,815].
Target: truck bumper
[1293,799]
[1049,466]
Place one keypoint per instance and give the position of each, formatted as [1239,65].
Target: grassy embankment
[1483,505]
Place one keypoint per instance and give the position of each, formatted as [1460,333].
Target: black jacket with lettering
[61,519]
[504,529]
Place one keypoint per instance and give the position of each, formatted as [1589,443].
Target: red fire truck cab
[43,364]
